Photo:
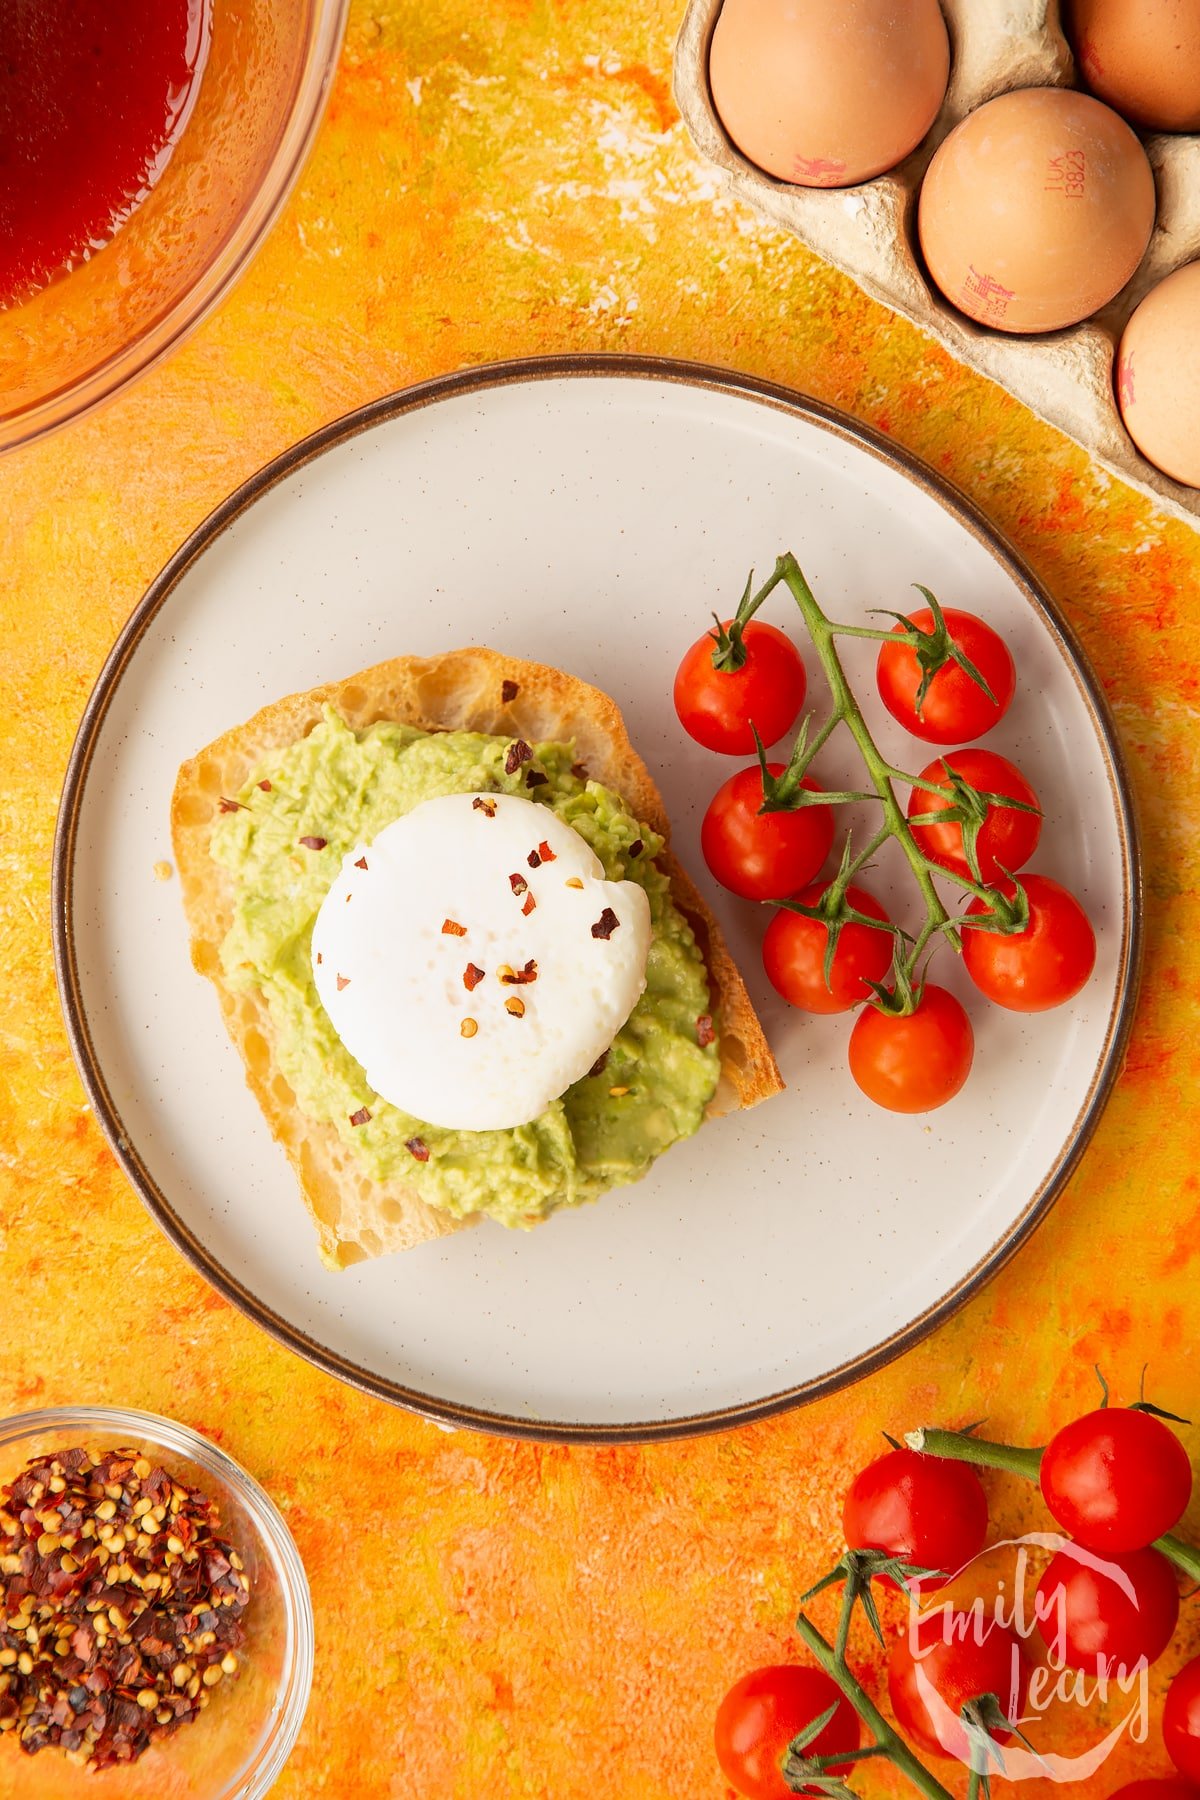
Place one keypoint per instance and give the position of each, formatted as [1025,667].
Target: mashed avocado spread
[302,809]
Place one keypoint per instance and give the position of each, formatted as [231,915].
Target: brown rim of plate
[474,380]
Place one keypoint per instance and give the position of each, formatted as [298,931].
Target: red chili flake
[534,860]
[452,928]
[472,976]
[529,905]
[636,848]
[265,786]
[231,805]
[518,753]
[606,924]
[314,843]
[113,1664]
[579,770]
[417,1148]
[320,958]
[546,853]
[360,862]
[487,807]
[704,1030]
[600,1064]
[361,1117]
[517,883]
[508,691]
[518,977]
[534,778]
[343,981]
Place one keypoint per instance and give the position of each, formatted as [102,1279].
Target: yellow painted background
[493,1619]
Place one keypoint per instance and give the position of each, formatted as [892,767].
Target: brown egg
[1142,56]
[1036,210]
[1158,375]
[826,95]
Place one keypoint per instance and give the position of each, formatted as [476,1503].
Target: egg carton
[870,231]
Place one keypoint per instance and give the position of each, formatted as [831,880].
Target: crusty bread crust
[462,690]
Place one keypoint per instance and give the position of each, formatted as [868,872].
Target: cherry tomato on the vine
[718,706]
[941,1661]
[763,856]
[922,1509]
[1181,1720]
[1166,1787]
[955,708]
[1116,1479]
[1042,966]
[794,954]
[1087,1619]
[764,1711]
[912,1064]
[1007,837]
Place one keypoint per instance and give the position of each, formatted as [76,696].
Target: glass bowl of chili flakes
[156,1628]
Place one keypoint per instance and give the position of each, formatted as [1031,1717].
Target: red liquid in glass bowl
[93,95]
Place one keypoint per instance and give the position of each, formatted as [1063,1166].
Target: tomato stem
[962,1446]
[887,1741]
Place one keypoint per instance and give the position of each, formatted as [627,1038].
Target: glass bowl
[93,330]
[237,1747]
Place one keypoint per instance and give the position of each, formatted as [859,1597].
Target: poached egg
[475,960]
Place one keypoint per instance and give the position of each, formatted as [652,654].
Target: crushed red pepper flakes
[417,1148]
[508,691]
[511,977]
[361,1117]
[343,981]
[228,805]
[320,958]
[360,862]
[580,771]
[518,752]
[534,778]
[606,924]
[705,1033]
[120,1605]
[600,1064]
[265,786]
[486,807]
[534,860]
[546,853]
[529,905]
[573,881]
[636,848]
[618,1093]
[515,1006]
[472,976]
[314,843]
[518,884]
[452,928]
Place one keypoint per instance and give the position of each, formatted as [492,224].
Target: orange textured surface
[552,1624]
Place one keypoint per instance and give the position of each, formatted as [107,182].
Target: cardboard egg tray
[870,231]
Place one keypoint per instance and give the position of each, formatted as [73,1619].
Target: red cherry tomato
[718,706]
[1167,1788]
[955,708]
[913,1064]
[763,856]
[981,1657]
[764,1711]
[1181,1720]
[1007,838]
[794,954]
[920,1508]
[1116,1479]
[1087,1619]
[1042,966]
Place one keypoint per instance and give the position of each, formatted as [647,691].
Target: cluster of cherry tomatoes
[1115,1480]
[906,1060]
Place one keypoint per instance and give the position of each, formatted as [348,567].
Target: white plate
[591,514]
